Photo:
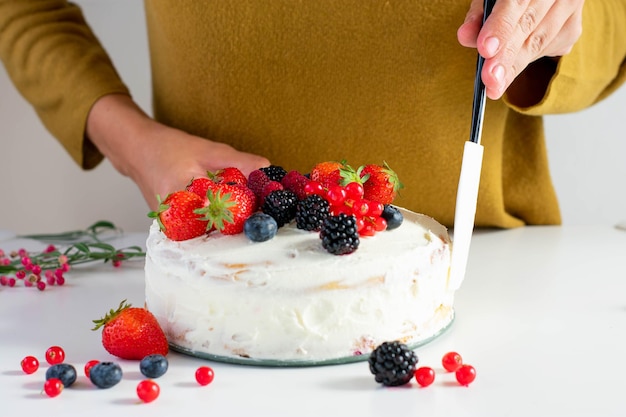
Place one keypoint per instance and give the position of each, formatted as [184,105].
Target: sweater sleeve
[59,67]
[595,67]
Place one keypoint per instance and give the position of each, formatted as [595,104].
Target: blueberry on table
[153,366]
[63,371]
[105,374]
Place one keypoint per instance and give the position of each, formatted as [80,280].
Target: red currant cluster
[348,199]
[452,362]
[61,375]
[45,268]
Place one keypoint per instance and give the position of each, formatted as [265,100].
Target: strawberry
[200,186]
[230,175]
[380,183]
[131,333]
[177,215]
[229,207]
[327,173]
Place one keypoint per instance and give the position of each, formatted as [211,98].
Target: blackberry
[274,172]
[311,213]
[393,363]
[339,234]
[281,205]
[393,216]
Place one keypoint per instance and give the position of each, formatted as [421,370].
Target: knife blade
[469,178]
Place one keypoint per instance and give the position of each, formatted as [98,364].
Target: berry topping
[229,207]
[257,180]
[327,173]
[393,216]
[451,361]
[281,205]
[229,175]
[274,172]
[260,227]
[131,333]
[200,186]
[425,376]
[296,182]
[380,183]
[177,216]
[29,364]
[339,234]
[153,366]
[63,371]
[53,387]
[54,355]
[465,375]
[204,375]
[311,213]
[105,374]
[393,363]
[148,390]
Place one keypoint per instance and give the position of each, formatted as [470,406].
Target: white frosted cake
[287,301]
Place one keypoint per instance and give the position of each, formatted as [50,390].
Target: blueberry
[105,374]
[63,371]
[260,227]
[153,366]
[393,216]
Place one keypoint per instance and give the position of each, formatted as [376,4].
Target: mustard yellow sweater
[306,81]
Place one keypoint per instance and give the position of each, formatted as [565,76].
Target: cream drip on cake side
[288,300]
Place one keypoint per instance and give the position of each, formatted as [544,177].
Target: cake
[287,301]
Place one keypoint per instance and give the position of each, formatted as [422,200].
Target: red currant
[314,187]
[90,365]
[54,355]
[335,195]
[425,376]
[204,375]
[451,361]
[354,190]
[30,364]
[360,207]
[148,390]
[53,387]
[465,375]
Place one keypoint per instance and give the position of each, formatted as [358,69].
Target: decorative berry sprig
[38,269]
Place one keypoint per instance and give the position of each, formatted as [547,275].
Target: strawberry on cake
[285,269]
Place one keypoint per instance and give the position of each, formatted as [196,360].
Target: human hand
[158,158]
[173,157]
[517,34]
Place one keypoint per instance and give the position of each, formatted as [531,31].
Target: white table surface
[541,315]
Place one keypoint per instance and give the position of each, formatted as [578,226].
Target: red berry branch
[38,269]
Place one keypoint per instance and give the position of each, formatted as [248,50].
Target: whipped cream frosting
[289,300]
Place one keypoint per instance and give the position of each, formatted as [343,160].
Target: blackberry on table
[281,205]
[339,234]
[274,172]
[311,213]
[393,363]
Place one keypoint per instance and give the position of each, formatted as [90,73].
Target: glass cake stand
[297,362]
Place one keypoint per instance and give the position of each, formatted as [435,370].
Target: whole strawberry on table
[131,333]
[333,195]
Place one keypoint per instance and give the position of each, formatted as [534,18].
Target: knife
[469,179]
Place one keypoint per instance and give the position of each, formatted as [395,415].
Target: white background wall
[42,190]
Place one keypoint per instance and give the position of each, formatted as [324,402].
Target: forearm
[117,126]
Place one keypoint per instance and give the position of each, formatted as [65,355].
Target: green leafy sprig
[75,248]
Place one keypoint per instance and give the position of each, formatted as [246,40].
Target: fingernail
[498,73]
[491,45]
